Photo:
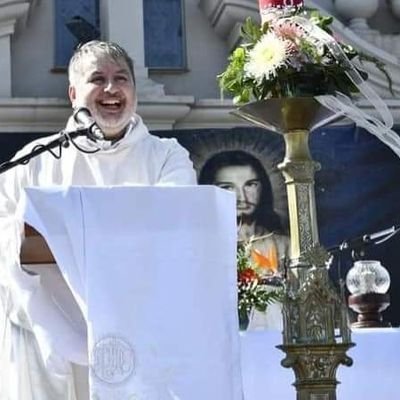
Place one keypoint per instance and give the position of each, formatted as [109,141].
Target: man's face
[243,180]
[106,88]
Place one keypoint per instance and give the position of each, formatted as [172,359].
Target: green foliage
[251,32]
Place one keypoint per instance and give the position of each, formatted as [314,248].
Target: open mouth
[111,105]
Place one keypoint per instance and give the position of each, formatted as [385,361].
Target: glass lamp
[368,276]
[368,282]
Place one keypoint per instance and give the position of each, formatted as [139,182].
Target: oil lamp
[368,282]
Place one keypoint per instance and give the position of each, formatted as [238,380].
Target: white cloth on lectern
[138,158]
[155,269]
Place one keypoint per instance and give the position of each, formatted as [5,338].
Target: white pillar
[5,61]
[122,22]
[9,14]
[357,12]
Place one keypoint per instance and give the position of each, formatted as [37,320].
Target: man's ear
[72,94]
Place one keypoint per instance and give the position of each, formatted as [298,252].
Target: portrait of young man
[257,220]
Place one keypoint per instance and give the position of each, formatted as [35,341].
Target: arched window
[164,34]
[76,21]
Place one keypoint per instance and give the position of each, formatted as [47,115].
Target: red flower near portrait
[247,275]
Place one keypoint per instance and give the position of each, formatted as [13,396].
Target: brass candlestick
[316,335]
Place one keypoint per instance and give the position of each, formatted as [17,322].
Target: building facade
[179,46]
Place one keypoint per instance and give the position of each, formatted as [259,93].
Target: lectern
[153,270]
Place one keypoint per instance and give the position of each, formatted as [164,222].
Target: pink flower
[289,31]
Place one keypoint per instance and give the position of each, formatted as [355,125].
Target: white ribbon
[342,104]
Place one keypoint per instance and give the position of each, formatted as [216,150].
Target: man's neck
[116,138]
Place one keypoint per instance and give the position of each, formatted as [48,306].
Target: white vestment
[28,372]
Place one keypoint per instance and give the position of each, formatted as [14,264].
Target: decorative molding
[21,115]
[224,14]
[33,114]
[10,13]
[215,113]
[7,28]
[303,203]
[210,113]
[167,112]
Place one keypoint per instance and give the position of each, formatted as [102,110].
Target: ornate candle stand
[316,335]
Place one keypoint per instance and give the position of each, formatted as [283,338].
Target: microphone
[373,238]
[83,117]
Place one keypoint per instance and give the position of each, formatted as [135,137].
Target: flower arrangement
[252,291]
[292,53]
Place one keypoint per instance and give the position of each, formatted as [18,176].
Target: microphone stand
[357,245]
[368,305]
[61,141]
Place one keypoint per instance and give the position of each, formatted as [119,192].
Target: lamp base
[369,306]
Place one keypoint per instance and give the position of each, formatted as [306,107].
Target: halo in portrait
[266,148]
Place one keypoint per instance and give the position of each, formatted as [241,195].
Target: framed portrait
[356,188]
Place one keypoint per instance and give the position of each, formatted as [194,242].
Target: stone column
[10,12]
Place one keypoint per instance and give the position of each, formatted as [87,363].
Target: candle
[264,4]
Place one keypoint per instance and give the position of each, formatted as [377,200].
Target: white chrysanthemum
[270,53]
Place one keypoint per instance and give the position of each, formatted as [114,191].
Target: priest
[117,150]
